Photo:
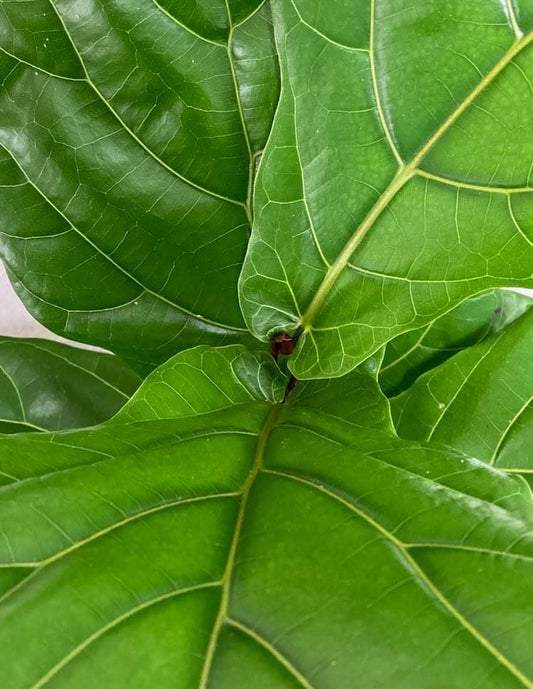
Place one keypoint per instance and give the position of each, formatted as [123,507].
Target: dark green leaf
[129,135]
[479,401]
[397,179]
[211,536]
[413,353]
[50,386]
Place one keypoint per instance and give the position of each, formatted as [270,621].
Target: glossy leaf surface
[50,386]
[228,539]
[413,353]
[129,134]
[397,179]
[479,401]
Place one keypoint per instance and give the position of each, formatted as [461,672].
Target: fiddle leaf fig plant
[397,178]
[295,220]
[129,137]
[217,533]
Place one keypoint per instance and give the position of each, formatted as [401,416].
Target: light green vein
[282,660]
[375,86]
[222,615]
[113,623]
[75,545]
[415,567]
[323,36]
[68,362]
[151,153]
[474,187]
[41,69]
[188,28]
[161,297]
[17,393]
[507,431]
[400,179]
[474,368]
[229,51]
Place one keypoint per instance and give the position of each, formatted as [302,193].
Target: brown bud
[282,345]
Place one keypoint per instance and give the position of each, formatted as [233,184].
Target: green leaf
[479,401]
[129,137]
[211,535]
[397,179]
[415,352]
[50,386]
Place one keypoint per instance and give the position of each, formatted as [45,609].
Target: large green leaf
[397,179]
[479,401]
[213,536]
[48,385]
[417,351]
[129,134]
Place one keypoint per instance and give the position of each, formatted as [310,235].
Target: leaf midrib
[403,175]
[256,468]
[223,616]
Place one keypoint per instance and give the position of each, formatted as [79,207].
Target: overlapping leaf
[129,135]
[397,179]
[415,352]
[212,535]
[50,386]
[479,401]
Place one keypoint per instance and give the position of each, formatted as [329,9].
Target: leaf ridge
[7,594]
[24,424]
[241,115]
[515,221]
[472,549]
[69,362]
[107,457]
[322,35]
[389,276]
[466,379]
[513,20]
[17,393]
[75,545]
[402,470]
[41,69]
[287,84]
